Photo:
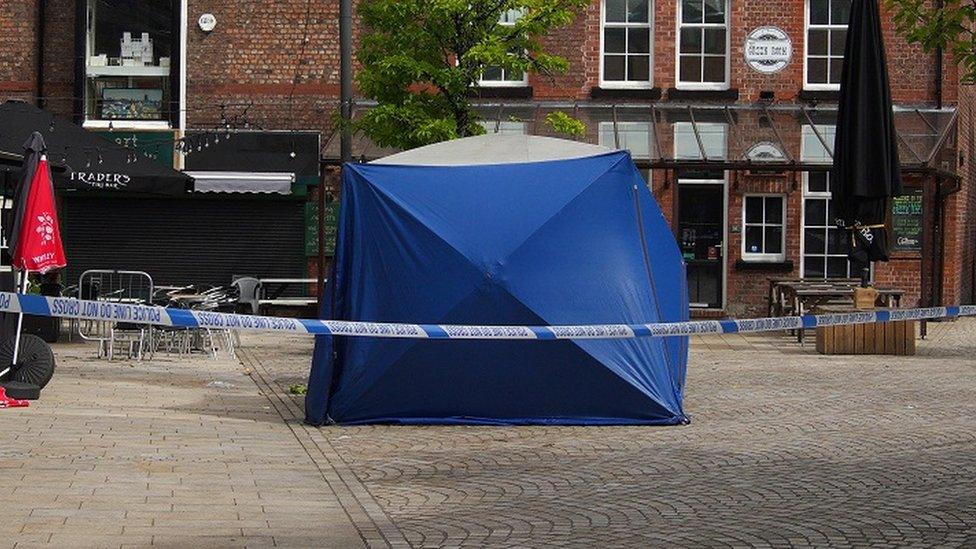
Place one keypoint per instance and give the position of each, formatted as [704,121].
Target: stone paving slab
[787,448]
[174,452]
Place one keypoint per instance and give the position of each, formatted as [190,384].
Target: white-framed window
[636,137]
[823,244]
[826,36]
[626,56]
[499,77]
[764,227]
[130,50]
[714,139]
[512,127]
[703,44]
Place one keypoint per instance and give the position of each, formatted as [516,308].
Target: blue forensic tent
[574,239]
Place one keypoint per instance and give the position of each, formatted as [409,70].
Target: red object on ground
[7,402]
[39,247]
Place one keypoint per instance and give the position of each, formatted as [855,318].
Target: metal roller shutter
[200,240]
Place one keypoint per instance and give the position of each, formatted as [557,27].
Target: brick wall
[18,49]
[257,56]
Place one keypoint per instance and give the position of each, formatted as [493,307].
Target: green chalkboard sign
[906,221]
[312,228]
[155,145]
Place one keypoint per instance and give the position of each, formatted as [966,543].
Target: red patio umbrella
[34,236]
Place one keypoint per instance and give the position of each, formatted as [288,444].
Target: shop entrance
[701,235]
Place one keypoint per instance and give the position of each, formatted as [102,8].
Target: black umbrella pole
[866,275]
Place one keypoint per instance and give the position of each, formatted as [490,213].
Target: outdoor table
[808,299]
[780,290]
[280,285]
[188,299]
[273,299]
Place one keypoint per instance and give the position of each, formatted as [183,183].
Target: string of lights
[225,120]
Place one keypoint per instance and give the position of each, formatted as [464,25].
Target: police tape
[63,307]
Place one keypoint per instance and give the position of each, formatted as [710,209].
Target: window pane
[691,11]
[774,240]
[836,267]
[616,11]
[817,71]
[754,209]
[638,68]
[515,76]
[836,241]
[714,137]
[813,267]
[639,40]
[774,210]
[691,66]
[510,16]
[715,41]
[614,40]
[817,42]
[637,11]
[840,12]
[813,241]
[492,73]
[685,144]
[831,213]
[816,213]
[691,40]
[818,12]
[714,69]
[754,237]
[817,182]
[635,137]
[836,70]
[113,18]
[134,38]
[715,11]
[838,38]
[613,67]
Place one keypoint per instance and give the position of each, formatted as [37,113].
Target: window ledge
[703,95]
[778,266]
[127,124]
[598,92]
[819,95]
[502,92]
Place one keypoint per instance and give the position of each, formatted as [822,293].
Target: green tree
[420,59]
[950,25]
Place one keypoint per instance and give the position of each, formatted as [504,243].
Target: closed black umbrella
[866,172]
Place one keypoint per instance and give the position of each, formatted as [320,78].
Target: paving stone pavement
[786,448]
[173,452]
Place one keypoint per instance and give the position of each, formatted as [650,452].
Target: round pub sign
[768,50]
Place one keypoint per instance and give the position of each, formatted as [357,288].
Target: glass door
[701,234]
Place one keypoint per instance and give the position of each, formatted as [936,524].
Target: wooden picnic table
[793,297]
[778,287]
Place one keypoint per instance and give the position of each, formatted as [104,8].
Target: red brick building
[727,105]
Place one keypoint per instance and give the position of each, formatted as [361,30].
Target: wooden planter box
[883,338]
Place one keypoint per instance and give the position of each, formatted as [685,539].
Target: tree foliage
[420,59]
[951,26]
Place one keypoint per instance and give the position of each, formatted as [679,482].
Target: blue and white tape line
[62,307]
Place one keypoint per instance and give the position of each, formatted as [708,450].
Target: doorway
[701,235]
